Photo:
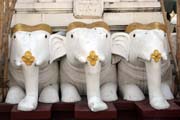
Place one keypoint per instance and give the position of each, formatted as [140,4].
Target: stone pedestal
[5,111]
[82,112]
[63,111]
[126,110]
[146,112]
[43,112]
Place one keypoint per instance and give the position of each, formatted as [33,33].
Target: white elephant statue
[173,18]
[31,76]
[86,69]
[146,67]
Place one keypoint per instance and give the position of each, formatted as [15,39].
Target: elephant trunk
[92,72]
[31,74]
[93,79]
[153,70]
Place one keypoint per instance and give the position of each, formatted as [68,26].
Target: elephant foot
[29,103]
[132,92]
[159,103]
[109,92]
[69,93]
[15,95]
[166,91]
[49,94]
[95,104]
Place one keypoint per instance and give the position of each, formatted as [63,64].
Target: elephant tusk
[156,55]
[102,58]
[93,58]
[17,63]
[81,59]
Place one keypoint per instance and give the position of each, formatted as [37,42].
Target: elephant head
[87,47]
[83,43]
[30,51]
[145,45]
[30,45]
[145,42]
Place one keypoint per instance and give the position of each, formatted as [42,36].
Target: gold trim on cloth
[74,25]
[28,28]
[154,25]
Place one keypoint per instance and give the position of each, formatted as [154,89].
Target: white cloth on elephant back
[76,76]
[132,74]
[16,75]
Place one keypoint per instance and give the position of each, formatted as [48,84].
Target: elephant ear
[120,46]
[56,46]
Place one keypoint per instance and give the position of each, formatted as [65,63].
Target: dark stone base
[126,110]
[63,111]
[5,111]
[119,110]
[146,112]
[43,112]
[82,112]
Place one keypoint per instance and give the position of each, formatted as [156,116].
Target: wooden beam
[9,6]
[178,41]
[170,41]
[63,19]
[67,6]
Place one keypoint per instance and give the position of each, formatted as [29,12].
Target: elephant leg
[132,92]
[15,95]
[69,93]
[49,94]
[166,91]
[109,92]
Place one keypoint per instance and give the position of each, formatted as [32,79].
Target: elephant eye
[71,35]
[134,35]
[164,35]
[106,35]
[14,36]
[45,36]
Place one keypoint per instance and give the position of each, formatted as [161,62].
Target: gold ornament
[28,59]
[156,55]
[28,28]
[74,25]
[92,58]
[151,26]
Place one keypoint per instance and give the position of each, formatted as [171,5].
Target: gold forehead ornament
[154,25]
[28,28]
[74,25]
